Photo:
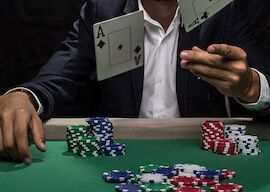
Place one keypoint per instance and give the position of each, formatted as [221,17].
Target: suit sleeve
[240,33]
[60,79]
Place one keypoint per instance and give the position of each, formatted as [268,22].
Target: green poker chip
[149,168]
[157,187]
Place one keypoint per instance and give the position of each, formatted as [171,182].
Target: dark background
[30,30]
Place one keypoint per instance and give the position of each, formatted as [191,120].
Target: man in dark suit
[225,74]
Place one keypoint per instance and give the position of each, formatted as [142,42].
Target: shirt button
[159,116]
[160,79]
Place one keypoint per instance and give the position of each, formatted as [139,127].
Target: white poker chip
[189,168]
[152,178]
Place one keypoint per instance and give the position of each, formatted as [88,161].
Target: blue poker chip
[114,146]
[117,176]
[210,174]
[97,120]
[167,171]
[128,187]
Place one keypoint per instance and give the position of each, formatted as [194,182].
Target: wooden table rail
[159,129]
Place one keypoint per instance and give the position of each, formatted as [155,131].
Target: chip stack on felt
[211,130]
[75,133]
[102,128]
[225,147]
[248,145]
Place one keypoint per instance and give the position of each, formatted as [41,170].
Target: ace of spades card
[119,44]
[195,12]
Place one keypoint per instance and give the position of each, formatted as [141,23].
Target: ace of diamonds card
[119,44]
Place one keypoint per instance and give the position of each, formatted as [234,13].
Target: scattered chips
[226,187]
[188,189]
[157,187]
[184,181]
[117,176]
[128,187]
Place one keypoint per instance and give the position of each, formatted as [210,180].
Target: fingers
[38,134]
[198,56]
[21,122]
[9,143]
[232,52]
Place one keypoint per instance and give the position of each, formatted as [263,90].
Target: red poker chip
[208,182]
[229,174]
[229,150]
[184,181]
[225,142]
[188,189]
[228,154]
[226,187]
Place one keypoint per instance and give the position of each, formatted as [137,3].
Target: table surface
[59,170]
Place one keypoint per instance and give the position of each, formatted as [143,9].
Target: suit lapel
[186,42]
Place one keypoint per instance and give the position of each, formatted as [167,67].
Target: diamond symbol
[101,44]
[138,48]
[120,47]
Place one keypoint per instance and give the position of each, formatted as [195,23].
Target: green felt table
[59,170]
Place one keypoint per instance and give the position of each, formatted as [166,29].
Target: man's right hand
[17,115]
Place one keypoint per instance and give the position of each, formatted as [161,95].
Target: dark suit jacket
[61,78]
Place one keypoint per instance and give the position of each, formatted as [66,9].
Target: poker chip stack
[101,128]
[211,130]
[225,147]
[73,134]
[248,145]
[89,147]
[115,149]
[231,131]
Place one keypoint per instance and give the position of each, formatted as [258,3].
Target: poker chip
[210,174]
[184,181]
[180,173]
[115,149]
[166,170]
[102,128]
[208,182]
[157,187]
[117,176]
[149,168]
[128,187]
[228,173]
[189,168]
[248,145]
[231,131]
[211,130]
[188,189]
[74,133]
[226,187]
[225,147]
[152,178]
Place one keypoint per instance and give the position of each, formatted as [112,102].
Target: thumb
[38,133]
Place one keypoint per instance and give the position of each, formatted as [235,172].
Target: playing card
[119,44]
[195,12]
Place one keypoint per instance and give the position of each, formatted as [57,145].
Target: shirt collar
[154,22]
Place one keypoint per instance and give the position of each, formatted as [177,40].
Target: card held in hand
[119,44]
[195,12]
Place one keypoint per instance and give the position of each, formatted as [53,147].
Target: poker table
[157,141]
